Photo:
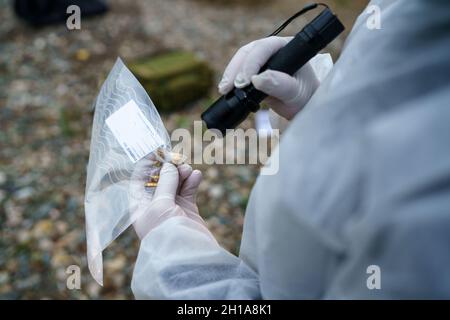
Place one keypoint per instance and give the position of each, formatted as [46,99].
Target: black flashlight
[233,108]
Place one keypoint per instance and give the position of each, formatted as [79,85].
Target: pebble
[82,55]
[4,278]
[24,193]
[43,228]
[216,191]
[2,177]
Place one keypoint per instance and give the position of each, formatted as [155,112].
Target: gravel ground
[49,78]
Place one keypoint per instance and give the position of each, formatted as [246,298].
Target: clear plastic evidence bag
[128,144]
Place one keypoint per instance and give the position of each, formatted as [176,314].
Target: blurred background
[49,78]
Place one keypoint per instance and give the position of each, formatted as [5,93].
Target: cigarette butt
[176,159]
[172,157]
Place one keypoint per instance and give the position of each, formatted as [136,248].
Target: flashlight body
[233,108]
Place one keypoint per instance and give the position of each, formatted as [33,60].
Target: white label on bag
[133,131]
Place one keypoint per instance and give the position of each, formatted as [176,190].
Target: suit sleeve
[180,259]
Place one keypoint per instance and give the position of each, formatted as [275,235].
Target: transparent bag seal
[115,184]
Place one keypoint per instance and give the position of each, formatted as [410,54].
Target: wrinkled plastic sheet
[114,186]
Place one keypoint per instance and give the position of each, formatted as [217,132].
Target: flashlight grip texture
[292,57]
[303,47]
[306,44]
[230,110]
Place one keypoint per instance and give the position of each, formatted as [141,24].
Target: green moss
[69,121]
[183,122]
[173,79]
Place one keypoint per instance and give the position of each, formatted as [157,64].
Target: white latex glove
[288,94]
[174,196]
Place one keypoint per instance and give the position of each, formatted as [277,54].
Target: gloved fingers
[175,158]
[280,108]
[168,182]
[285,111]
[156,214]
[274,103]
[234,66]
[185,171]
[258,55]
[307,85]
[190,209]
[285,88]
[189,187]
[277,84]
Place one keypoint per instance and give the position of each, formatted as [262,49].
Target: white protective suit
[364,180]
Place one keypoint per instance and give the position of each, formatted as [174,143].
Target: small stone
[216,191]
[118,279]
[5,289]
[4,278]
[61,274]
[45,244]
[62,89]
[43,228]
[69,240]
[235,199]
[2,177]
[93,289]
[212,173]
[82,55]
[13,214]
[61,227]
[28,282]
[24,193]
[117,264]
[61,259]
[12,265]
[55,214]
[39,43]
[23,236]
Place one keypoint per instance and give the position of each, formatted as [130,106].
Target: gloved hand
[174,196]
[288,94]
